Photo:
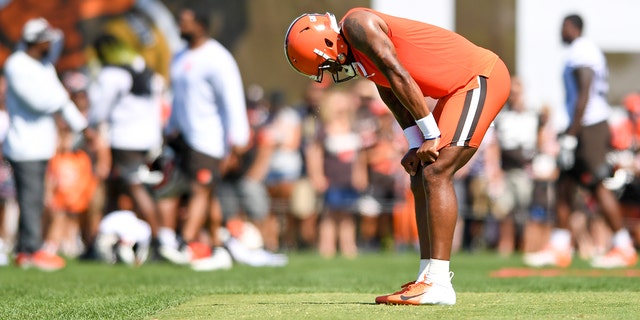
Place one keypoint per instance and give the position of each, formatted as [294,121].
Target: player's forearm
[412,99]
[576,124]
[401,114]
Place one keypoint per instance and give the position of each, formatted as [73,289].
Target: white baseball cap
[39,30]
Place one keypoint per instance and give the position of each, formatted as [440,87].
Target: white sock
[424,268]
[167,237]
[622,239]
[438,271]
[561,238]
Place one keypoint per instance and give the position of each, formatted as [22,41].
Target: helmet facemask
[339,72]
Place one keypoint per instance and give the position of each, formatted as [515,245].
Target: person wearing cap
[35,97]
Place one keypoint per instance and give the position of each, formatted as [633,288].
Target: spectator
[384,145]
[301,228]
[582,158]
[209,114]
[284,133]
[77,84]
[244,197]
[517,129]
[70,187]
[632,104]
[7,185]
[477,221]
[122,236]
[34,96]
[630,197]
[126,98]
[545,173]
[337,169]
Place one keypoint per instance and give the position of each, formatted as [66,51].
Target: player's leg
[592,149]
[463,119]
[422,221]
[442,204]
[202,171]
[436,214]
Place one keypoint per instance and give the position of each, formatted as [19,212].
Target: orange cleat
[616,258]
[385,298]
[425,293]
[199,250]
[46,261]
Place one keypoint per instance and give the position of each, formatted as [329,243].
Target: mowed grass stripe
[565,305]
[338,288]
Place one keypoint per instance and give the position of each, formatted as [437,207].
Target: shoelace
[404,287]
[419,284]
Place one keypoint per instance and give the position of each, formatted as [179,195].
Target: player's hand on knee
[410,162]
[428,151]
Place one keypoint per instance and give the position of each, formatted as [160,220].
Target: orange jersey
[73,181]
[439,60]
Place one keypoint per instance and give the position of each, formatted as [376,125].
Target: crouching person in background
[122,236]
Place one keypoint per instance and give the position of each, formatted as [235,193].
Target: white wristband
[414,136]
[429,127]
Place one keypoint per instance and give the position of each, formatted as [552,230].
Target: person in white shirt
[7,186]
[209,114]
[126,97]
[35,97]
[583,149]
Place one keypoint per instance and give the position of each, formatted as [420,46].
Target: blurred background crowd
[306,166]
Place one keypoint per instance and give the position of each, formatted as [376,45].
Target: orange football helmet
[313,44]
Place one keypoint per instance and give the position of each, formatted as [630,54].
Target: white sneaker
[4,259]
[4,255]
[255,257]
[549,256]
[439,294]
[174,255]
[220,259]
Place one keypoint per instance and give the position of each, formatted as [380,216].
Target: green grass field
[314,288]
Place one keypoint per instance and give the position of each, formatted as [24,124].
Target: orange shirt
[440,61]
[73,181]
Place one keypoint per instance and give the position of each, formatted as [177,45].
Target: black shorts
[594,142]
[200,168]
[126,163]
